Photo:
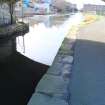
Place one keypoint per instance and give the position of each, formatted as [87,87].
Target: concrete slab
[55,69]
[41,99]
[52,85]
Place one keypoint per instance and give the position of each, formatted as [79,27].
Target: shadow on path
[87,85]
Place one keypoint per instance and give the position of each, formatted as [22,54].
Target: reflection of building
[94,8]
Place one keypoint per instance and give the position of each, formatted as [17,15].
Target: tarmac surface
[87,84]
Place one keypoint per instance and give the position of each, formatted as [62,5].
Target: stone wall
[8,39]
[6,49]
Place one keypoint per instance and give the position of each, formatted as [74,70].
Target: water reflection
[45,36]
[48,20]
[19,75]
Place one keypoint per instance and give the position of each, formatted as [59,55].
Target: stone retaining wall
[8,39]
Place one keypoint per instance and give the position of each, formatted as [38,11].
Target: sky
[81,2]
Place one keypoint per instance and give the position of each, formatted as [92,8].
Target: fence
[4,21]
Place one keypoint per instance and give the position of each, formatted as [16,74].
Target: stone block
[55,69]
[68,59]
[52,85]
[42,99]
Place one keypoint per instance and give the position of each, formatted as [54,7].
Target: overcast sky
[81,2]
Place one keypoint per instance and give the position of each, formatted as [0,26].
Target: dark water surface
[18,79]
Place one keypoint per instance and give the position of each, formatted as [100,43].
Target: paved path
[88,76]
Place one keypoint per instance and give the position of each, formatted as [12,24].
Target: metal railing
[4,21]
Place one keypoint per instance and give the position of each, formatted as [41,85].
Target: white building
[94,8]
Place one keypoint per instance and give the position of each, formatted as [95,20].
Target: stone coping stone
[55,69]
[41,99]
[52,85]
[66,71]
[68,59]
[58,58]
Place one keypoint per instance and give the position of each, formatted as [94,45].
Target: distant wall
[94,8]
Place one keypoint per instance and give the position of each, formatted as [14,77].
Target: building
[94,8]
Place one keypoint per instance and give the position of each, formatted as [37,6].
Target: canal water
[18,78]
[46,34]
[24,60]
[19,75]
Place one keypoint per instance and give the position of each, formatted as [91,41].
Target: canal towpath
[87,86]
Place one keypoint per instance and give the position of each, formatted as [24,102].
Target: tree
[11,7]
